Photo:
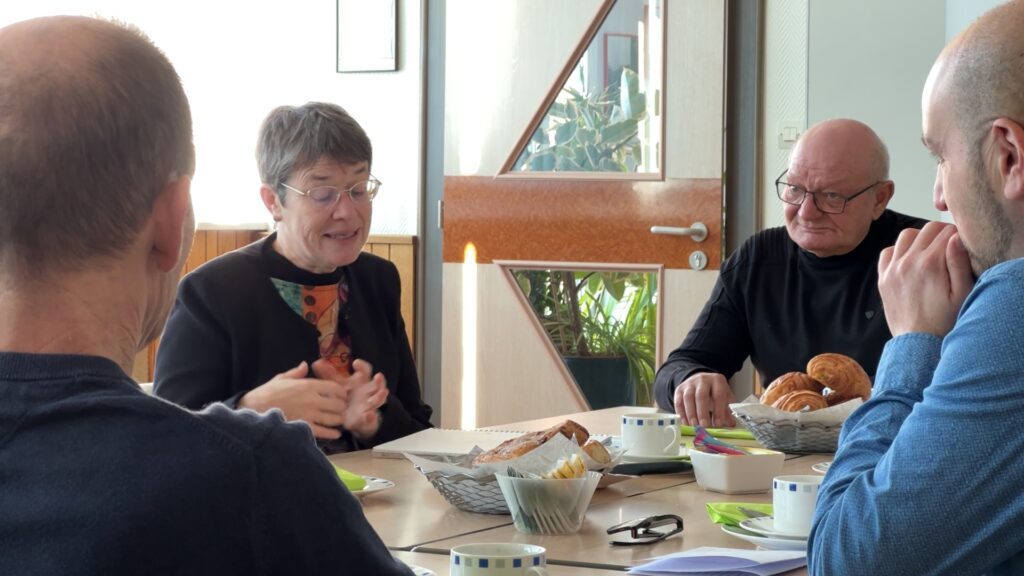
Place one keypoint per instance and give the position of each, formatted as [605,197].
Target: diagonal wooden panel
[580,221]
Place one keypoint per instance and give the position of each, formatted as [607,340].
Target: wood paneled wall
[208,244]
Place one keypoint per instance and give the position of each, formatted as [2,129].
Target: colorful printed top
[325,307]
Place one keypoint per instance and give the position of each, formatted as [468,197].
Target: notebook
[443,442]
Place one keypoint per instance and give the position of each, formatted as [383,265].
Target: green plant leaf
[565,132]
[631,100]
[616,134]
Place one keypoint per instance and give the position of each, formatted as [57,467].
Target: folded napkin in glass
[734,433]
[729,513]
[354,482]
[720,561]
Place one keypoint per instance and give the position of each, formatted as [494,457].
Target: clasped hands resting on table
[325,398]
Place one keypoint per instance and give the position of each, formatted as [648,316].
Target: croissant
[842,374]
[796,401]
[789,382]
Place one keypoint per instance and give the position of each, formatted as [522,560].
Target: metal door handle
[698,231]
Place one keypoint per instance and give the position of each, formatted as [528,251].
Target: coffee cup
[498,559]
[650,435]
[793,500]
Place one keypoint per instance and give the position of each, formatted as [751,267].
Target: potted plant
[590,132]
[602,324]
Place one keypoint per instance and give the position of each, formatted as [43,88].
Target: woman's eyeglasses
[324,196]
[646,530]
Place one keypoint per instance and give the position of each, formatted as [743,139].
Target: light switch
[788,132]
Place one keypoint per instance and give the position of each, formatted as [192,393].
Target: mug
[793,499]
[498,559]
[651,435]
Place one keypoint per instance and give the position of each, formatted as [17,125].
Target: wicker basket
[481,495]
[793,437]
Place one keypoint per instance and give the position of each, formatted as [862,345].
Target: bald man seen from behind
[96,477]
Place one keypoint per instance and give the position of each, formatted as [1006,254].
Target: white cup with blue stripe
[650,435]
[498,559]
[793,500]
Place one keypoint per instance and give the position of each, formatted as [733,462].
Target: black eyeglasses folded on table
[646,530]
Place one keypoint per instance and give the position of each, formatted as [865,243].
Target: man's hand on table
[924,279]
[703,399]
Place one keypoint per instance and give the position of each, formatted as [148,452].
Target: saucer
[420,571]
[764,541]
[766,527]
[373,485]
[821,467]
[639,458]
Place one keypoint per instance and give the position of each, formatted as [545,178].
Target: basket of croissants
[803,412]
[562,451]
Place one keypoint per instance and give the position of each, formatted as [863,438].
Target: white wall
[784,94]
[240,60]
[866,60]
[960,13]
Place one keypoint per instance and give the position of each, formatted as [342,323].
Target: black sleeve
[405,412]
[311,522]
[193,358]
[719,342]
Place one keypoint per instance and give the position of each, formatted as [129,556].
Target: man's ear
[272,201]
[883,193]
[1006,157]
[170,210]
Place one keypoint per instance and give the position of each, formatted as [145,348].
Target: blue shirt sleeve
[926,479]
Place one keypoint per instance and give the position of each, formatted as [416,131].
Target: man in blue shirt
[96,477]
[927,476]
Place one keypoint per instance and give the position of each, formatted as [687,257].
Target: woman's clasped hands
[325,398]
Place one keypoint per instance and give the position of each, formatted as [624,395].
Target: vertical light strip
[467,421]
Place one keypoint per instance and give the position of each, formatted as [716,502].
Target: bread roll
[842,374]
[789,382]
[597,452]
[800,399]
[520,445]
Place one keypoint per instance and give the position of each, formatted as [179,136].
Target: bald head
[982,70]
[93,124]
[843,146]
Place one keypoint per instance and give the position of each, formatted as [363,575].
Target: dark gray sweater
[781,306]
[96,477]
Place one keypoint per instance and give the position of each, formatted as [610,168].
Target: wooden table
[591,542]
[414,520]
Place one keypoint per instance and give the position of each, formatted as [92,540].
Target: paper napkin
[734,433]
[729,513]
[723,562]
[354,482]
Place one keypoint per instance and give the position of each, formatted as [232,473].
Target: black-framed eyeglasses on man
[645,530]
[824,200]
[324,196]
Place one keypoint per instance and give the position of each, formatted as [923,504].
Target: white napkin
[724,562]
[831,416]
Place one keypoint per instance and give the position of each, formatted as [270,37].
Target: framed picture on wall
[367,35]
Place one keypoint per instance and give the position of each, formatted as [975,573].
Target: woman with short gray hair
[303,321]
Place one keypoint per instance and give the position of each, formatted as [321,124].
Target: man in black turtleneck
[790,293]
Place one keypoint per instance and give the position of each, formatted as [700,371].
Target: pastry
[842,374]
[789,382]
[520,445]
[572,467]
[800,399]
[597,452]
